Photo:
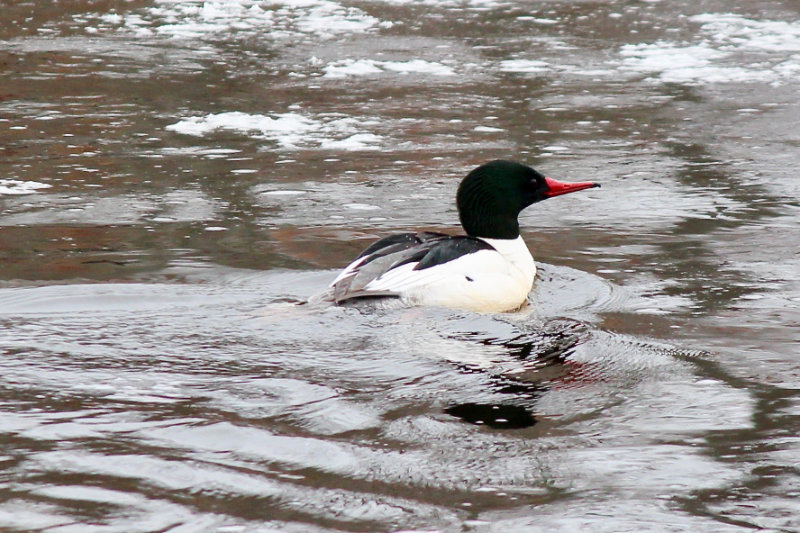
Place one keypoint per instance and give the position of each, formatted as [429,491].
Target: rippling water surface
[178,176]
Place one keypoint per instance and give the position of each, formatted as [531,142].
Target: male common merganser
[488,270]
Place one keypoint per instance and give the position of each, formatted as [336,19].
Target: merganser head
[491,197]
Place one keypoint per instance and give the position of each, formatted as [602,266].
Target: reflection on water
[176,176]
[543,357]
[497,416]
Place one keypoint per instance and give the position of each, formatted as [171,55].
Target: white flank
[485,281]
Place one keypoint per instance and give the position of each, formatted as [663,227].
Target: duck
[488,270]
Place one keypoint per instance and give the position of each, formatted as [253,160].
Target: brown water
[175,176]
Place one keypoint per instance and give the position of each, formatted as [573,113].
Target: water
[177,176]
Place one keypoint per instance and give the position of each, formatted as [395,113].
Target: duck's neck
[490,226]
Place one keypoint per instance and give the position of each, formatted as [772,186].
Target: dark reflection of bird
[488,270]
[544,358]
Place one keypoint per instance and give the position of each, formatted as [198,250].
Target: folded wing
[395,263]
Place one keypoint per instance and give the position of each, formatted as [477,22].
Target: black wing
[427,249]
[399,241]
[451,248]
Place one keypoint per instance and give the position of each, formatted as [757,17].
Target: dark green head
[491,197]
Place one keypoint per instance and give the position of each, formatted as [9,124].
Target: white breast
[517,253]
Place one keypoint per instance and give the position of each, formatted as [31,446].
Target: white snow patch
[351,67]
[685,64]
[663,56]
[203,19]
[536,20]
[359,141]
[418,66]
[739,31]
[366,67]
[290,124]
[731,48]
[288,130]
[362,207]
[17,187]
[523,65]
[284,192]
